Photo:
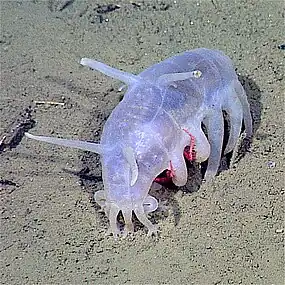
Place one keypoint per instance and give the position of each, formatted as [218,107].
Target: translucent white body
[146,131]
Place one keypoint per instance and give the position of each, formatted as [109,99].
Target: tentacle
[234,111]
[179,76]
[126,77]
[215,129]
[93,147]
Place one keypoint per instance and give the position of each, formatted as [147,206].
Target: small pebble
[271,164]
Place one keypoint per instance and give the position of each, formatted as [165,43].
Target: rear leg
[245,108]
[234,111]
[215,128]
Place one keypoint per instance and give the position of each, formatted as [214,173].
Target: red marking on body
[169,174]
[189,152]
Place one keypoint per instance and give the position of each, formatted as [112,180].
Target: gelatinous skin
[149,129]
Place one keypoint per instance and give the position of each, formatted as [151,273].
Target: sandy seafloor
[229,231]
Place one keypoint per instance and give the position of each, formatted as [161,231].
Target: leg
[245,108]
[234,110]
[190,154]
[141,215]
[129,227]
[155,186]
[168,177]
[215,127]
[202,146]
[100,198]
[179,170]
[150,204]
[112,215]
